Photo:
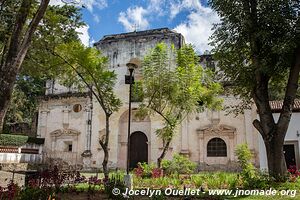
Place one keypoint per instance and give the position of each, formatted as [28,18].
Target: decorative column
[66,111]
[87,153]
[43,123]
[200,133]
[184,137]
[248,128]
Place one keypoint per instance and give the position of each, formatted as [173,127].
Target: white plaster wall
[243,134]
[55,114]
[291,135]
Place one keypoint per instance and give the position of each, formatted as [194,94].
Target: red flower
[157,172]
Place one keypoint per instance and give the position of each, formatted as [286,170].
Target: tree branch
[108,112]
[29,33]
[257,124]
[290,93]
[160,113]
[78,73]
[15,39]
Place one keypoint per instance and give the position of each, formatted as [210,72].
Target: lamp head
[133,63]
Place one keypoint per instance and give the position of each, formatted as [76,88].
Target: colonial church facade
[72,123]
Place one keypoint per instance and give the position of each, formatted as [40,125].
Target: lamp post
[131,65]
[131,81]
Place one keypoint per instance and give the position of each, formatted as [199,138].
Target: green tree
[87,68]
[19,21]
[174,85]
[257,45]
[22,108]
[59,26]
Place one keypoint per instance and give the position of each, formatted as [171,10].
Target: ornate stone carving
[222,129]
[67,132]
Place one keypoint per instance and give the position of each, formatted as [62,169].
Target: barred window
[216,147]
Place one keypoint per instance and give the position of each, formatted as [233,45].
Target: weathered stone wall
[64,123]
[56,117]
[120,48]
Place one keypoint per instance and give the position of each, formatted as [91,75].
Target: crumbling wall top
[135,34]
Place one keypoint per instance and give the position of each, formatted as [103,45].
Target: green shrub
[18,140]
[147,169]
[251,177]
[13,140]
[178,165]
[115,181]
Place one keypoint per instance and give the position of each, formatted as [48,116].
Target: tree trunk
[104,145]
[275,157]
[5,96]
[104,164]
[273,133]
[163,154]
[16,52]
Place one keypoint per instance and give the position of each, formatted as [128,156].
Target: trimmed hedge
[18,140]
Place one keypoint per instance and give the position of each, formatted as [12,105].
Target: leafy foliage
[85,67]
[178,165]
[13,140]
[257,46]
[23,105]
[276,32]
[173,85]
[145,170]
[252,178]
[137,92]
[18,140]
[49,184]
[116,181]
[244,158]
[59,26]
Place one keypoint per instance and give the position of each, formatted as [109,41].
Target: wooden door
[289,154]
[138,149]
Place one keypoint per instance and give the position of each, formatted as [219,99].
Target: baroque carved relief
[222,131]
[66,132]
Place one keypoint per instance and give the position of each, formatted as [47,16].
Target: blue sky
[192,18]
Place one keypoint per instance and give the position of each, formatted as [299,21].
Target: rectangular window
[70,147]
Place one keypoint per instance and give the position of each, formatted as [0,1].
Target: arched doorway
[138,149]
[137,125]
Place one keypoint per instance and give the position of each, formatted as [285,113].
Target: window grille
[216,147]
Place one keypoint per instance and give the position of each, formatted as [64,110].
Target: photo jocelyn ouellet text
[196,192]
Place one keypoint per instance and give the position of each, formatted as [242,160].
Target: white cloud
[134,17]
[88,4]
[96,18]
[63,2]
[84,35]
[56,2]
[197,28]
[139,17]
[177,6]
[157,7]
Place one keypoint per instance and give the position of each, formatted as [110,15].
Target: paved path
[5,177]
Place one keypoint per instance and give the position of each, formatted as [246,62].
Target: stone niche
[64,147]
[227,135]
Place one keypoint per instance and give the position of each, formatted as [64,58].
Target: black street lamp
[131,65]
